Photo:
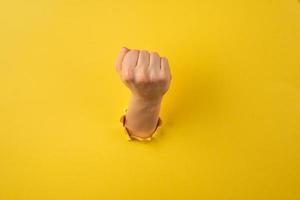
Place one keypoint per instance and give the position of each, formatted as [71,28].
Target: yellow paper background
[231,119]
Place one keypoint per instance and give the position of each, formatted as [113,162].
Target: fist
[146,74]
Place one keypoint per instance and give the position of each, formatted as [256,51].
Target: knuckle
[134,51]
[144,51]
[141,78]
[127,76]
[154,53]
[159,79]
[165,60]
[144,54]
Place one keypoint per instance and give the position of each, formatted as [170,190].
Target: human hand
[147,75]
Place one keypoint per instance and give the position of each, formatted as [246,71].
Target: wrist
[146,101]
[142,115]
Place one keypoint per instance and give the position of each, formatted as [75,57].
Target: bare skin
[148,77]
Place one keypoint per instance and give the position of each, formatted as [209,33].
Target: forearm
[142,116]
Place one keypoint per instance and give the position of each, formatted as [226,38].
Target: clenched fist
[146,74]
[148,77]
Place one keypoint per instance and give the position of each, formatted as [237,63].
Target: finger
[130,59]
[144,59]
[165,69]
[129,63]
[154,62]
[120,58]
